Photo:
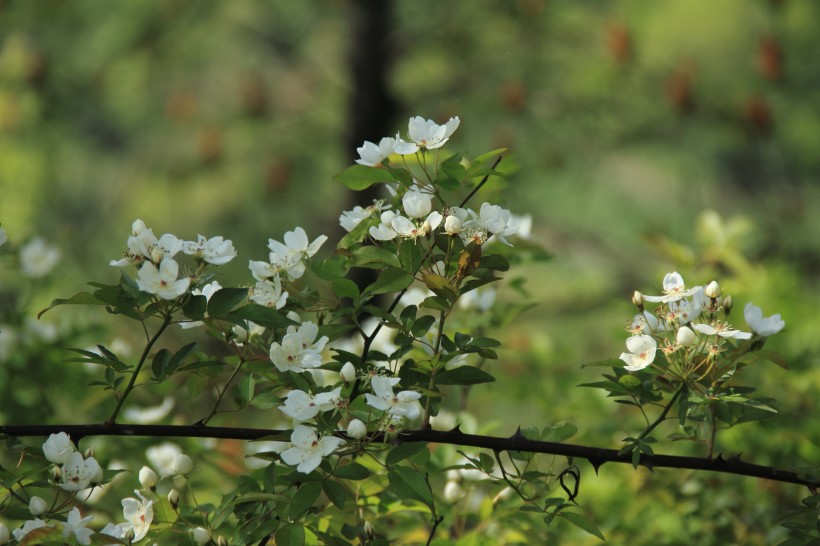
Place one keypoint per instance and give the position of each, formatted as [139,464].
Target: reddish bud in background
[758,115]
[770,58]
[513,96]
[679,90]
[278,175]
[619,42]
[209,144]
[254,95]
[181,106]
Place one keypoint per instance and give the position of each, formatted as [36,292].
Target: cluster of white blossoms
[158,272]
[423,134]
[688,319]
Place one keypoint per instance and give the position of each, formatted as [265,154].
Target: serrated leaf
[464,375]
[582,522]
[360,177]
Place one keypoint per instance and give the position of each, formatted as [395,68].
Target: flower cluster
[688,327]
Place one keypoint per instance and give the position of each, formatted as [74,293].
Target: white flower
[163,281]
[78,473]
[143,245]
[673,289]
[138,516]
[269,294]
[201,535]
[148,478]
[295,249]
[417,204]
[216,250]
[29,526]
[299,350]
[641,353]
[58,448]
[302,406]
[493,219]
[403,404]
[162,457]
[356,429]
[76,526]
[115,531]
[385,231]
[37,505]
[182,464]
[411,230]
[721,329]
[759,325]
[425,134]
[349,219]
[307,449]
[372,155]
[243,335]
[452,491]
[684,310]
[645,323]
[522,225]
[37,258]
[145,416]
[481,299]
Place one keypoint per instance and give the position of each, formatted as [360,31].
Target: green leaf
[437,303]
[329,269]
[404,451]
[489,155]
[266,400]
[410,256]
[495,262]
[407,483]
[336,492]
[464,375]
[558,432]
[180,355]
[345,288]
[195,307]
[304,498]
[82,298]
[261,315]
[360,177]
[391,280]
[160,364]
[372,254]
[225,299]
[291,534]
[353,471]
[423,325]
[453,168]
[583,523]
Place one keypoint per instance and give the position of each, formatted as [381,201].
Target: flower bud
[348,373]
[712,290]
[201,536]
[173,498]
[686,337]
[221,541]
[452,225]
[148,478]
[183,464]
[56,473]
[157,254]
[452,491]
[357,429]
[637,299]
[129,535]
[727,305]
[5,538]
[138,227]
[88,453]
[37,506]
[369,531]
[58,448]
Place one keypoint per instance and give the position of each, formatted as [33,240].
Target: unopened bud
[129,535]
[183,464]
[5,537]
[221,541]
[637,300]
[369,531]
[37,506]
[173,498]
[686,337]
[348,373]
[356,429]
[138,227]
[727,305]
[201,535]
[148,478]
[452,225]
[156,254]
[56,473]
[712,290]
[89,452]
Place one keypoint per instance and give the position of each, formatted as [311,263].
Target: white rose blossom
[307,449]
[673,289]
[76,525]
[372,155]
[402,404]
[162,282]
[78,473]
[162,457]
[38,258]
[215,251]
[269,294]
[425,134]
[299,350]
[349,219]
[758,324]
[721,329]
[58,448]
[641,353]
[143,245]
[416,203]
[138,516]
[291,254]
[28,526]
[301,406]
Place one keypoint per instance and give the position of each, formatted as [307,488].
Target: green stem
[204,421]
[121,399]
[436,349]
[663,414]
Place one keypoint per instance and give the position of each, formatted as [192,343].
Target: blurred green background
[645,137]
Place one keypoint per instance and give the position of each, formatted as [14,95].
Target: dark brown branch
[517,442]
